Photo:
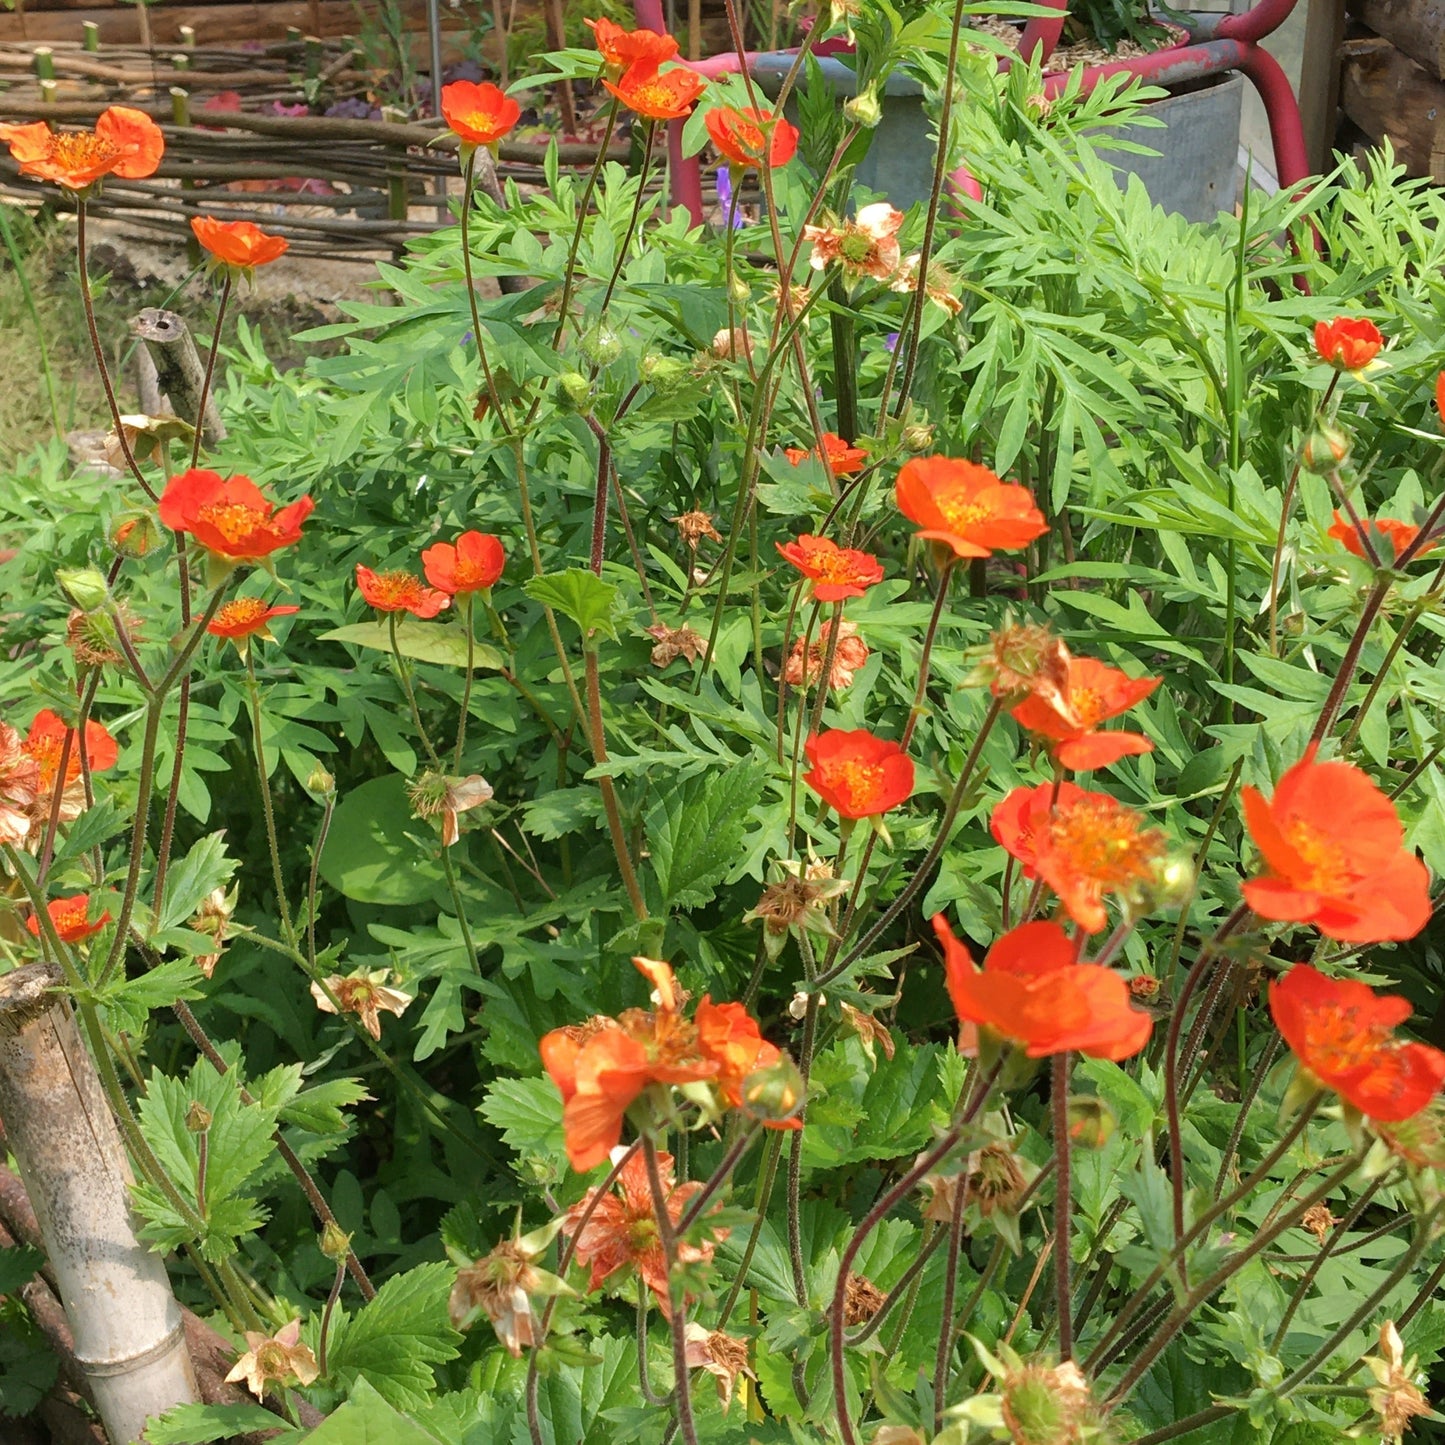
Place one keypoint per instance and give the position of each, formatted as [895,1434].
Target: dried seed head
[1318,1220]
[1045,1405]
[862,1299]
[994,1180]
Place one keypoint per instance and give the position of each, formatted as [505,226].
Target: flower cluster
[470,565]
[604,1066]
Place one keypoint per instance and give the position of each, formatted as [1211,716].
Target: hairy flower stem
[268,811]
[920,693]
[773,1152]
[649,132]
[1351,660]
[57,794]
[494,399]
[924,871]
[598,740]
[1063,1203]
[910,340]
[667,1236]
[210,368]
[403,676]
[569,274]
[303,1176]
[1286,503]
[599,498]
[720,1175]
[1266,1062]
[325,1330]
[1417,611]
[947,1337]
[1216,1211]
[881,1207]
[1337,1237]
[1173,1061]
[89,303]
[468,609]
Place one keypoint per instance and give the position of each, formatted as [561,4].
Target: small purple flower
[728,199]
[890,342]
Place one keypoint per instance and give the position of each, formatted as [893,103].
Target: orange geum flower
[842,459]
[230,517]
[125,143]
[472,563]
[70,917]
[966,507]
[480,115]
[601,1067]
[238,243]
[46,745]
[657,95]
[749,138]
[1033,993]
[1440,397]
[1334,856]
[1092,693]
[1395,536]
[1343,1034]
[243,618]
[856,773]
[1348,343]
[620,48]
[864,246]
[1083,845]
[399,591]
[729,1035]
[622,1229]
[835,572]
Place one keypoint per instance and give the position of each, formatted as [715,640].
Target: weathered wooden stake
[129,1339]
[180,369]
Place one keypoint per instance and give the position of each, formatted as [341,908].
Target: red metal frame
[1215,44]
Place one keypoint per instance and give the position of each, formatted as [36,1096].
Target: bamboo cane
[125,1321]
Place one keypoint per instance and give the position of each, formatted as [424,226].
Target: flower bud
[576,391]
[776,1093]
[1173,880]
[864,109]
[1325,449]
[666,375]
[917,437]
[136,535]
[321,782]
[198,1117]
[1091,1121]
[84,586]
[335,1242]
[739,290]
[602,346]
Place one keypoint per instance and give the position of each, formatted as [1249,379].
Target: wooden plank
[1319,81]
[215,23]
[1416,27]
[1387,95]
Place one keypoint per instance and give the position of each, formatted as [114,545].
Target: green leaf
[858,1113]
[581,595]
[438,642]
[318,1109]
[367,1419]
[204,869]
[395,1339]
[695,831]
[375,852]
[528,1112]
[574,1402]
[561,811]
[129,1001]
[17,1265]
[201,1424]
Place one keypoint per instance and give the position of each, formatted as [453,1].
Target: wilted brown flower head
[942,1192]
[500,1285]
[725,1357]
[693,526]
[19,786]
[1396,1398]
[848,656]
[862,1299]
[1144,986]
[435,795]
[796,898]
[675,642]
[941,286]
[869,1030]
[92,636]
[1025,658]
[734,345]
[1045,1405]
[1318,1220]
[993,1179]
[274,1359]
[212,918]
[864,246]
[364,994]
